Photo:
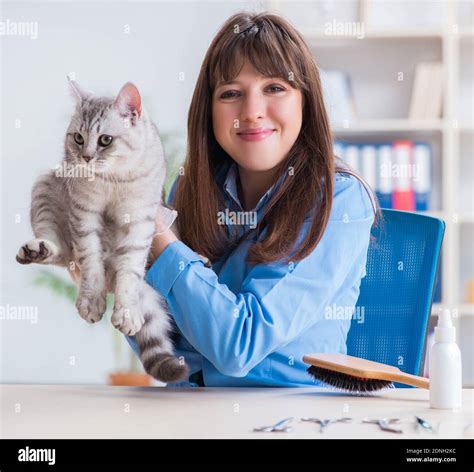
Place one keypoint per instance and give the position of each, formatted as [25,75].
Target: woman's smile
[255,134]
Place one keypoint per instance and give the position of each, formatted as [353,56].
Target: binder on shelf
[403,195]
[338,149]
[352,157]
[422,175]
[400,172]
[368,154]
[384,187]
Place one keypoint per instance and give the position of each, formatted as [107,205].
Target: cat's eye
[79,139]
[105,140]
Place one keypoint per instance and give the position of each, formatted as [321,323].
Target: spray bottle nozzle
[444,320]
[445,331]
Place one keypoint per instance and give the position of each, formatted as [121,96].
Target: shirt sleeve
[278,301]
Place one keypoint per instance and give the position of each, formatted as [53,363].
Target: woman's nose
[253,108]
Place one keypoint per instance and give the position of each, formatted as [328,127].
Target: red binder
[403,197]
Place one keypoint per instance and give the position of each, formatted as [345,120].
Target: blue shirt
[250,326]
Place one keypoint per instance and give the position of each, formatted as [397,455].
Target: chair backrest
[395,298]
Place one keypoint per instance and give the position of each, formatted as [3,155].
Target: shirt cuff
[169,265]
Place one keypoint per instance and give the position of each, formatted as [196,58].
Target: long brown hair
[276,49]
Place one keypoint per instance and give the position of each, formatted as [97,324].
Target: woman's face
[256,119]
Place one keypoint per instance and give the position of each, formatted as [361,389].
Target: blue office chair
[397,292]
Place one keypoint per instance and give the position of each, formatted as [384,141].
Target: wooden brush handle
[409,379]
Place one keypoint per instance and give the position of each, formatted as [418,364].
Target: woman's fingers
[164,219]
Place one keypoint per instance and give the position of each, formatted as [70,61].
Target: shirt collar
[230,187]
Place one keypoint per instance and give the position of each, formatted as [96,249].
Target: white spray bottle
[445,366]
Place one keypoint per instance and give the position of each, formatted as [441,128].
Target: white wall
[166,38]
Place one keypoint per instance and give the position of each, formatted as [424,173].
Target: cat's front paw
[127,318]
[91,307]
[38,251]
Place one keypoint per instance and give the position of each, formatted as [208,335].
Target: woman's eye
[78,138]
[234,93]
[105,140]
[276,88]
[230,94]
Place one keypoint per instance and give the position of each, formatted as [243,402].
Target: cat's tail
[156,348]
[165,367]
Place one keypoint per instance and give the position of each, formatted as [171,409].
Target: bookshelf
[444,33]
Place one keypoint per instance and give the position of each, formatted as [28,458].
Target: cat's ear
[78,92]
[128,102]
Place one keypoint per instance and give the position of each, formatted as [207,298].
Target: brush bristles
[346,382]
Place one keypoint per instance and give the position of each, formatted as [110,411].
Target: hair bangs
[265,48]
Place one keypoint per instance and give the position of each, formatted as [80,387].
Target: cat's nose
[87,158]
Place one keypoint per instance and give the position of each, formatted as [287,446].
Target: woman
[261,197]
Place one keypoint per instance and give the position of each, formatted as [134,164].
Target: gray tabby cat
[104,221]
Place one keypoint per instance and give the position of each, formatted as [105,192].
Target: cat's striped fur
[102,218]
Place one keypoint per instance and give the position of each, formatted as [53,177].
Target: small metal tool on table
[323,424]
[385,424]
[280,427]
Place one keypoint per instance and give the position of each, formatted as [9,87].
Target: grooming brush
[354,374]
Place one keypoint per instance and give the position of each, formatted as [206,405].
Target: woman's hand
[163,233]
[160,242]
[164,219]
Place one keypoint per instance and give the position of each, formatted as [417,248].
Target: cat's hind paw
[92,308]
[128,320]
[39,251]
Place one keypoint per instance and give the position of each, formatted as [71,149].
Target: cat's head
[106,134]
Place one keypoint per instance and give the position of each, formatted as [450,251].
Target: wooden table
[87,411]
